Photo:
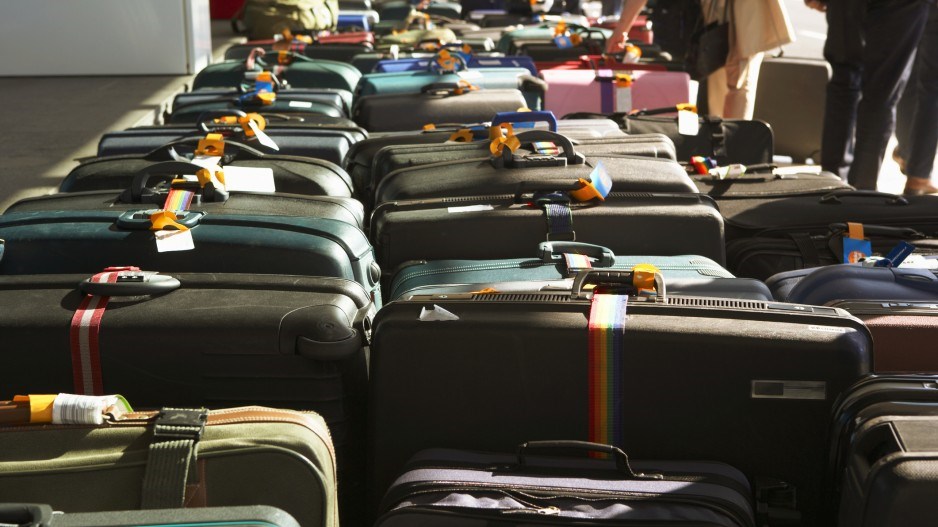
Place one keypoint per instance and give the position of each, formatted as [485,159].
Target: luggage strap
[809,253]
[83,336]
[717,136]
[559,221]
[176,431]
[606,345]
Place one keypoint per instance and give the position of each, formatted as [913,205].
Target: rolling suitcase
[444,103]
[687,275]
[140,459]
[291,174]
[249,516]
[286,106]
[573,91]
[474,61]
[47,242]
[747,383]
[546,478]
[765,181]
[298,70]
[339,51]
[292,98]
[506,226]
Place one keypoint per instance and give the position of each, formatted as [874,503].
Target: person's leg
[742,76]
[905,113]
[922,143]
[844,51]
[893,29]
[716,92]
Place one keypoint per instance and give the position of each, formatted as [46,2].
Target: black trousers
[917,113]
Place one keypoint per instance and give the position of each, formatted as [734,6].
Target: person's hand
[817,5]
[616,43]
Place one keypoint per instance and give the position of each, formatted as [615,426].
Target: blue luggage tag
[897,255]
[856,250]
[563,41]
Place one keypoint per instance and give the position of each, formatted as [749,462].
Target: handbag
[710,44]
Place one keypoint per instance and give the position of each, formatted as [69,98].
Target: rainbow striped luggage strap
[606,343]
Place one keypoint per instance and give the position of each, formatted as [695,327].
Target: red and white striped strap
[83,335]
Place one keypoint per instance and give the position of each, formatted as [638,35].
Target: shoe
[898,159]
[918,186]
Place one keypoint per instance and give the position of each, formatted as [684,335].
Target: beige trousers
[731,90]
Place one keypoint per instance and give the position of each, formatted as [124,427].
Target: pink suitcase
[579,90]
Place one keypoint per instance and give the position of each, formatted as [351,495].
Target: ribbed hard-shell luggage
[496,227]
[248,516]
[688,275]
[747,383]
[291,174]
[239,456]
[556,479]
[298,70]
[88,241]
[445,103]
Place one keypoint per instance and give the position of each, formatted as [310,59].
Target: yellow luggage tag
[253,125]
[643,278]
[856,247]
[502,136]
[598,186]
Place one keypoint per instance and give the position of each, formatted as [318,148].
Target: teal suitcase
[301,72]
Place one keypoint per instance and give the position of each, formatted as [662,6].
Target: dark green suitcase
[301,72]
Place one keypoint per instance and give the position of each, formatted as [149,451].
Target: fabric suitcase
[292,174]
[241,458]
[748,383]
[687,275]
[497,227]
[765,181]
[546,479]
[446,103]
[347,210]
[48,242]
[300,72]
[574,91]
[250,516]
[293,97]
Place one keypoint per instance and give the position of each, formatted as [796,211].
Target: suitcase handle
[132,283]
[193,141]
[527,117]
[907,233]
[26,514]
[603,276]
[167,168]
[204,118]
[560,447]
[563,142]
[834,197]
[550,252]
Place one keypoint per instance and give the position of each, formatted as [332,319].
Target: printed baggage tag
[173,241]
[249,179]
[301,104]
[623,93]
[687,123]
[262,138]
[856,250]
[563,42]
[897,255]
[208,162]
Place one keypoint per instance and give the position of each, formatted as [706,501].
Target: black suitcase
[447,103]
[544,478]
[88,241]
[292,174]
[506,226]
[295,98]
[186,339]
[883,452]
[767,182]
[43,516]
[747,383]
[286,105]
[330,51]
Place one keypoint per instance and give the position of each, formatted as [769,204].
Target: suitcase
[343,209]
[501,227]
[687,275]
[755,393]
[357,21]
[470,170]
[340,99]
[445,103]
[47,242]
[292,174]
[249,516]
[338,51]
[298,70]
[726,140]
[512,42]
[288,106]
[765,181]
[785,250]
[352,5]
[554,478]
[574,91]
[133,460]
[474,62]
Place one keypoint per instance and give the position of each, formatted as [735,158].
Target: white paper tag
[436,314]
[687,123]
[471,74]
[209,162]
[623,99]
[249,179]
[172,241]
[301,104]
[262,138]
[470,208]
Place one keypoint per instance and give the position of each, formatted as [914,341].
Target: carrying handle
[26,514]
[167,168]
[549,252]
[205,118]
[881,230]
[132,283]
[588,31]
[563,142]
[527,117]
[562,447]
[194,141]
[603,277]
[440,87]
[834,197]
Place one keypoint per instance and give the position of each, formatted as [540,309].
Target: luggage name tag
[730,171]
[856,248]
[436,314]
[632,54]
[577,262]
[262,138]
[623,84]
[71,409]
[469,208]
[687,123]
[209,152]
[897,255]
[249,179]
[598,186]
[563,42]
[168,240]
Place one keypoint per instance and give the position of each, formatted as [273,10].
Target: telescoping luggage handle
[638,278]
[26,514]
[557,448]
[834,198]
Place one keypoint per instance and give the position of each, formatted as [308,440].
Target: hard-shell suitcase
[574,91]
[298,70]
[249,516]
[547,478]
[475,62]
[513,42]
[747,383]
[357,21]
[334,105]
[140,460]
[446,103]
[506,226]
[339,52]
[291,174]
[767,182]
[688,275]
[88,241]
